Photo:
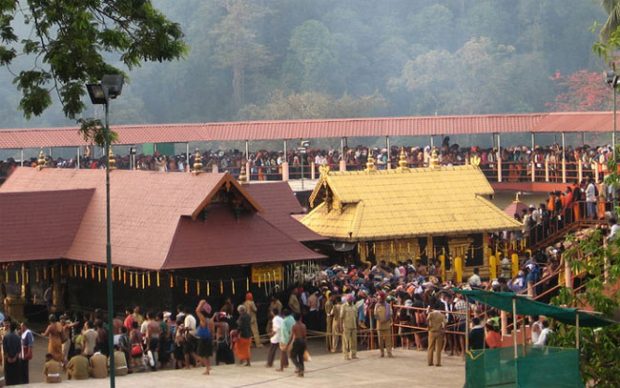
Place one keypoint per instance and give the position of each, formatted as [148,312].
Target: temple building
[174,236]
[409,213]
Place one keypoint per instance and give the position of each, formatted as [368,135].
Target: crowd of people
[395,304]
[516,161]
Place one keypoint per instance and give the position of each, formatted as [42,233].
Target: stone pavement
[407,369]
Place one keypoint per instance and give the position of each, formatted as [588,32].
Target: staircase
[560,234]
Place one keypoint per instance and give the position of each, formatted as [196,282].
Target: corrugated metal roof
[327,128]
[575,122]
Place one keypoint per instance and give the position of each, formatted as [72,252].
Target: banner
[267,272]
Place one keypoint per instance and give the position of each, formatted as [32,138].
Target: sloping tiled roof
[146,208]
[414,202]
[221,240]
[279,205]
[40,225]
[322,128]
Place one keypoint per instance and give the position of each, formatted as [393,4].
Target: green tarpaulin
[527,306]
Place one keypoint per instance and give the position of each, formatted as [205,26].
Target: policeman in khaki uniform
[436,321]
[348,324]
[383,316]
[52,370]
[336,328]
[329,317]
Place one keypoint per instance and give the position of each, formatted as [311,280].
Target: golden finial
[41,162]
[324,169]
[197,167]
[434,160]
[370,164]
[402,162]
[242,176]
[111,160]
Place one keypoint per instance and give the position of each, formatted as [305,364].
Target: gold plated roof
[384,204]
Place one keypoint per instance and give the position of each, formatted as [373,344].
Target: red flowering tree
[581,91]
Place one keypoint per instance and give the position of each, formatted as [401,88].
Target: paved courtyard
[407,369]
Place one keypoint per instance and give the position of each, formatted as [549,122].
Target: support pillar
[248,172]
[563,158]
[77,161]
[215,168]
[187,164]
[499,158]
[342,165]
[432,145]
[503,317]
[285,171]
[596,173]
[546,169]
[389,153]
[312,171]
[533,169]
[579,172]
[22,158]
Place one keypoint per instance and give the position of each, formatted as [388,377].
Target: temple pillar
[342,165]
[515,264]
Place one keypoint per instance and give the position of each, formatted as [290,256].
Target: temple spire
[41,162]
[370,164]
[197,167]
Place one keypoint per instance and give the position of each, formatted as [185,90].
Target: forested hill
[277,59]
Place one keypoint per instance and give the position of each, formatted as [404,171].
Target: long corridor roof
[551,122]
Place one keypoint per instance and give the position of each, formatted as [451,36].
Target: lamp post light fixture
[613,80]
[108,89]
[303,147]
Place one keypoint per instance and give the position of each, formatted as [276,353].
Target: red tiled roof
[146,208]
[224,240]
[325,128]
[279,204]
[40,225]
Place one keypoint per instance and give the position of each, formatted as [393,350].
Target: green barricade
[539,367]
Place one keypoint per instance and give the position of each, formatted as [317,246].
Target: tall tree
[71,41]
[581,91]
[612,7]
[237,46]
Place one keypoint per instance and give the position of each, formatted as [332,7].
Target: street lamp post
[303,147]
[613,81]
[100,94]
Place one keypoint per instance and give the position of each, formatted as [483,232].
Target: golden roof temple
[397,209]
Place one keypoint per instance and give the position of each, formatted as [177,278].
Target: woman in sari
[54,334]
[242,344]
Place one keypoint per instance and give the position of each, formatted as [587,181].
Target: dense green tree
[412,52]
[69,42]
[236,45]
[314,105]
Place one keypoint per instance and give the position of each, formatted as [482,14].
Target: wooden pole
[577,329]
[466,326]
